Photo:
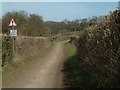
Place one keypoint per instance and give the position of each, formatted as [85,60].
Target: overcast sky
[57,11]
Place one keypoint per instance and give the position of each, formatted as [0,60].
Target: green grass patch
[11,69]
[70,49]
[73,67]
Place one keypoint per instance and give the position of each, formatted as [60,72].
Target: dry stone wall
[24,47]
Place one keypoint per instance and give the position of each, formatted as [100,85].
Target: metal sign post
[13,42]
[13,32]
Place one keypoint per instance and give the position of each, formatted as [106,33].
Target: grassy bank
[70,49]
[70,65]
[10,70]
[74,76]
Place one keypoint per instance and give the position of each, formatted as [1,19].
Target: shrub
[99,52]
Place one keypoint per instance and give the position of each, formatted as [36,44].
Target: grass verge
[74,76]
[70,49]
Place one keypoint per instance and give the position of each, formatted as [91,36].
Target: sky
[59,0]
[58,11]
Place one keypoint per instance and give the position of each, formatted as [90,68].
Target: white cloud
[60,0]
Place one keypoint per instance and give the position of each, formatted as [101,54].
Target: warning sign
[12,23]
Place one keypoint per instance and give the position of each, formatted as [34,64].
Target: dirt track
[45,73]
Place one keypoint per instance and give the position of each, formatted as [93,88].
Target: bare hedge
[99,52]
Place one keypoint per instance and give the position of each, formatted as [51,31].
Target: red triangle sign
[12,23]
